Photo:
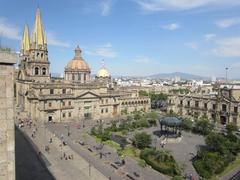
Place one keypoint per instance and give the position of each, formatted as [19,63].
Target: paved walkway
[76,168]
[185,150]
[104,164]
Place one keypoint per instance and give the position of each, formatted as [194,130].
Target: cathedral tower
[34,54]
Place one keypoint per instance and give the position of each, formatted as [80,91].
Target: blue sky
[134,37]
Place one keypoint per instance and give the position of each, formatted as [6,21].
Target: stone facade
[222,107]
[7,137]
[75,97]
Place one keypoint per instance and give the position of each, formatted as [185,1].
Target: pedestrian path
[71,169]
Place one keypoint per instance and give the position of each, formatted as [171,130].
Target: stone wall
[7,140]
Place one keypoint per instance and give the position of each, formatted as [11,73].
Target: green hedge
[167,166]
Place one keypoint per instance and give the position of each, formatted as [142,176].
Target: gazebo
[172,125]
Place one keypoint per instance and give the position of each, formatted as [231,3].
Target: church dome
[77,63]
[103,73]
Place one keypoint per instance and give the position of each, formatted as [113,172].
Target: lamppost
[61,146]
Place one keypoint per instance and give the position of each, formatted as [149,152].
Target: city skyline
[134,37]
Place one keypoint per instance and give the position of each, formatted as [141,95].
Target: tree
[143,93]
[142,140]
[216,142]
[187,124]
[203,127]
[231,127]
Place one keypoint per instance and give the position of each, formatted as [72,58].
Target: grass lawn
[112,144]
[134,153]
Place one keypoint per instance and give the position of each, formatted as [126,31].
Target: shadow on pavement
[29,166]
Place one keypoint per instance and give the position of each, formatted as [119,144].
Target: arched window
[36,71]
[44,72]
[41,55]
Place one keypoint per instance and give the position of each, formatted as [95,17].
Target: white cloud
[52,40]
[192,45]
[105,6]
[171,27]
[228,47]
[9,30]
[225,23]
[105,50]
[209,37]
[158,5]
[143,60]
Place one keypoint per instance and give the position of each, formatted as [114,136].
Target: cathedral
[75,97]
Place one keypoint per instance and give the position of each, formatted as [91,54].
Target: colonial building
[77,96]
[221,107]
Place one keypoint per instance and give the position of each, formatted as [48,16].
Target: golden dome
[77,63]
[103,73]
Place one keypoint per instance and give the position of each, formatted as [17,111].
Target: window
[85,77]
[44,71]
[73,77]
[224,107]
[235,109]
[36,71]
[102,111]
[69,103]
[181,102]
[106,110]
[49,104]
[235,120]
[196,104]
[214,106]
[106,101]
[69,114]
[41,55]
[205,105]
[51,91]
[64,91]
[63,103]
[79,76]
[64,115]
[188,103]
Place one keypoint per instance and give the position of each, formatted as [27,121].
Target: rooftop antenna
[226,74]
[1,34]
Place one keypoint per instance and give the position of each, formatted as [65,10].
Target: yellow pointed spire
[25,40]
[38,36]
[45,37]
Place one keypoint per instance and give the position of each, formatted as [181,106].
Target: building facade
[75,97]
[222,107]
[7,136]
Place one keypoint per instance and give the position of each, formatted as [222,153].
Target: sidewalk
[71,169]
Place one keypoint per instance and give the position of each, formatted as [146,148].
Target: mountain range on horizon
[185,76]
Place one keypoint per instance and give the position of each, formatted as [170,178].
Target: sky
[134,37]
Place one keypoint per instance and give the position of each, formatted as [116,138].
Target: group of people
[66,157]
